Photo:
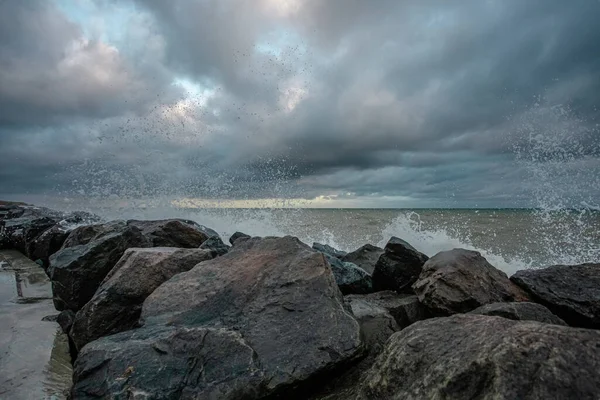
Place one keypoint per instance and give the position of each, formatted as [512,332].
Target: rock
[169,363]
[570,292]
[520,311]
[215,244]
[236,236]
[406,309]
[52,239]
[173,232]
[19,233]
[264,319]
[77,271]
[398,267]
[376,323]
[365,257]
[65,320]
[349,277]
[481,357]
[48,243]
[326,249]
[38,232]
[459,281]
[117,304]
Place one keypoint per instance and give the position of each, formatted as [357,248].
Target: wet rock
[215,244]
[65,320]
[169,363]
[236,236]
[365,257]
[459,281]
[349,277]
[52,239]
[48,243]
[376,323]
[117,304]
[85,234]
[326,249]
[570,292]
[173,232]
[19,233]
[481,357]
[38,232]
[406,309]
[520,311]
[77,271]
[261,320]
[398,267]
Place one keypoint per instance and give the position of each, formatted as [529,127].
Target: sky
[337,103]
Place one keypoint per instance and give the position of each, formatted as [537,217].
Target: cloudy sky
[385,103]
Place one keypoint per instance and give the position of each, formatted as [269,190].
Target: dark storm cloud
[49,71]
[448,102]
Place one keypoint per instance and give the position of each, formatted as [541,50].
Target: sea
[510,239]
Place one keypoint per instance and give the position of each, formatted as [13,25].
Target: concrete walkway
[34,357]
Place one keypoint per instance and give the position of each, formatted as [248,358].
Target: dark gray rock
[169,363]
[173,232]
[376,323]
[38,232]
[264,319]
[236,236]
[48,243]
[481,357]
[19,233]
[117,304]
[52,239]
[349,277]
[398,267]
[77,271]
[215,244]
[326,249]
[570,292]
[365,257]
[85,234]
[520,311]
[65,320]
[406,309]
[459,281]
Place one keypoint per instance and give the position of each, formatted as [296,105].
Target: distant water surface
[511,239]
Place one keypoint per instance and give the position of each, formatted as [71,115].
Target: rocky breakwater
[166,310]
[265,319]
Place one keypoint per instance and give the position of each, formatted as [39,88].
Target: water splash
[558,152]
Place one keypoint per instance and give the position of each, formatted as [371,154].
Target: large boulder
[349,277]
[570,291]
[264,318]
[406,309]
[117,304]
[90,252]
[520,311]
[327,249]
[398,267]
[77,271]
[459,280]
[158,362]
[174,232]
[481,357]
[365,257]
